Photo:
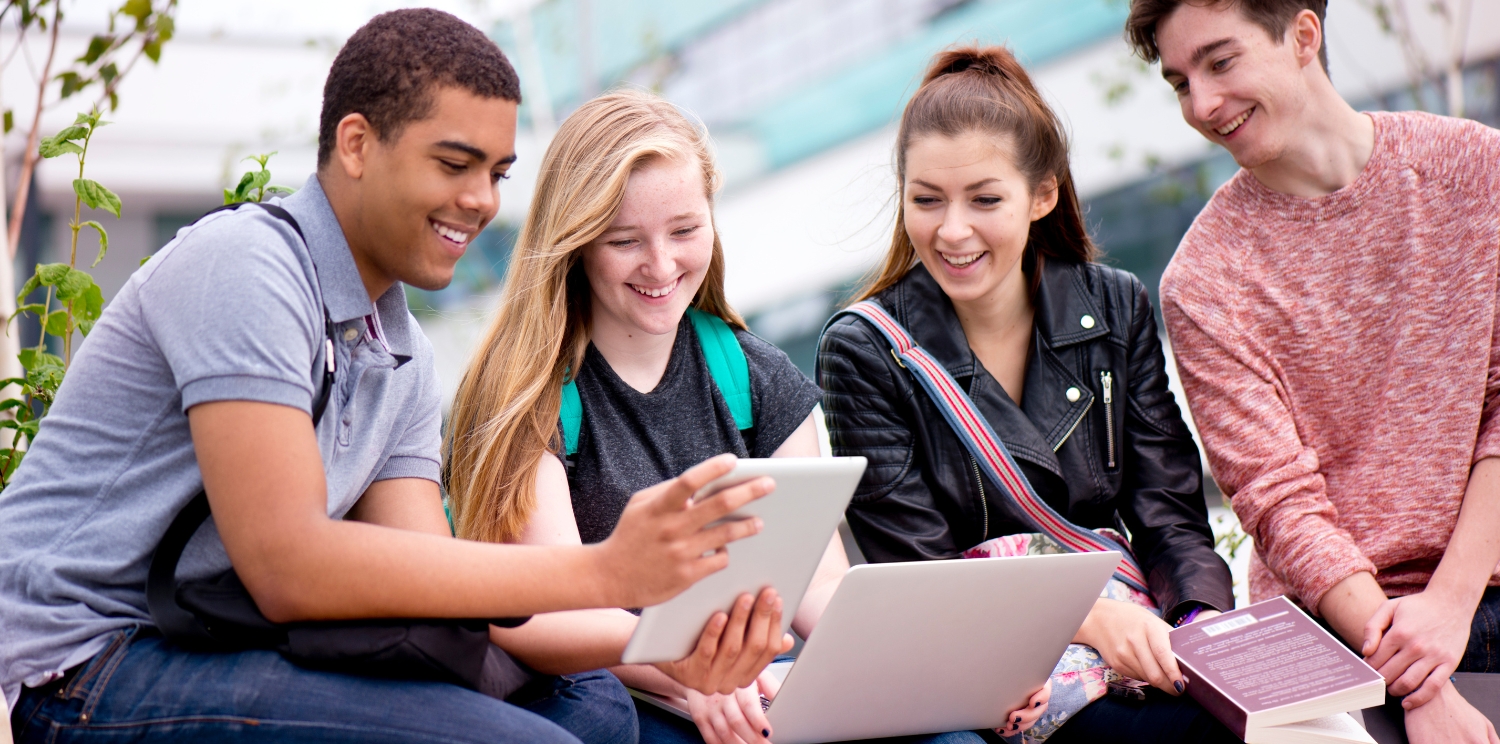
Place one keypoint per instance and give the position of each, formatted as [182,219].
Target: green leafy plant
[72,302]
[253,186]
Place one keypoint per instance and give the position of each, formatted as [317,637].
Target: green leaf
[103,240]
[13,461]
[74,285]
[98,45]
[228,196]
[108,73]
[58,322]
[90,305]
[72,83]
[140,10]
[247,183]
[35,308]
[38,361]
[50,148]
[29,428]
[152,49]
[143,262]
[51,274]
[280,191]
[96,196]
[10,120]
[165,29]
[75,132]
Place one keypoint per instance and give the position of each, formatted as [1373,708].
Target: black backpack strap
[161,580]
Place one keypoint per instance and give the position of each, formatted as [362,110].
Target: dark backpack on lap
[218,614]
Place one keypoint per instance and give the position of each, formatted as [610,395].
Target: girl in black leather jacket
[991,271]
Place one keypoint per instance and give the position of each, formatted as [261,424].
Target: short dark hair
[1271,15]
[390,67]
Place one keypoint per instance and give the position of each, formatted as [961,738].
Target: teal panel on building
[871,94]
[621,35]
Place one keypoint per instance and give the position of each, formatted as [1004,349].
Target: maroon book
[1272,674]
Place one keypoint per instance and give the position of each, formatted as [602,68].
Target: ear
[353,139]
[1044,198]
[1306,36]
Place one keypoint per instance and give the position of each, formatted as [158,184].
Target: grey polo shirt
[229,310]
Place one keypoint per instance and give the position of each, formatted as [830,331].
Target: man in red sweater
[1334,317]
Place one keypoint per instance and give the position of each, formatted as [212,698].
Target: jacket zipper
[984,503]
[1108,380]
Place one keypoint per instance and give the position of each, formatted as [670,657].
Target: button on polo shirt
[229,310]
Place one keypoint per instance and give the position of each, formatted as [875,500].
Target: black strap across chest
[161,579]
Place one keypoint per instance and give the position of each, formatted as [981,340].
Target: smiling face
[1237,86]
[417,201]
[645,269]
[968,211]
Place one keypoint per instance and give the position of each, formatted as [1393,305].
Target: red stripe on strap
[1071,537]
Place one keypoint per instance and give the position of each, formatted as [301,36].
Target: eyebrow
[971,187]
[623,228]
[474,152]
[1199,54]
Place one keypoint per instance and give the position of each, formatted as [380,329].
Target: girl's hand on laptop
[733,650]
[1134,642]
[1027,716]
[736,718]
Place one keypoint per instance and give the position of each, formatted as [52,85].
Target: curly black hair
[389,68]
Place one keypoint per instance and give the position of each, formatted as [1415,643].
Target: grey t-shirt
[229,310]
[631,440]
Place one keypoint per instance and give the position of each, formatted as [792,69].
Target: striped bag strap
[988,450]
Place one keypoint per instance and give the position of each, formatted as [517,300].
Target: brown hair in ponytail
[984,89]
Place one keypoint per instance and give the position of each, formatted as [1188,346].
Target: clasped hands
[1415,643]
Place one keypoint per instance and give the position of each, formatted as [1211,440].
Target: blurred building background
[799,95]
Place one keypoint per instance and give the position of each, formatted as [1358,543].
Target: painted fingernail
[1018,719]
[766,733]
[1038,704]
[1178,685]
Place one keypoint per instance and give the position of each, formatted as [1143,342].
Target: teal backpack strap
[726,363]
[571,415]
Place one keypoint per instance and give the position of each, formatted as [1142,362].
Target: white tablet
[800,517]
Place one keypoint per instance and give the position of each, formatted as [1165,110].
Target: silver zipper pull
[328,354]
[1108,379]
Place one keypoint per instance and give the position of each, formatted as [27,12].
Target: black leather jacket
[1130,463]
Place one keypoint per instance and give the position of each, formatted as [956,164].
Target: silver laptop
[933,646]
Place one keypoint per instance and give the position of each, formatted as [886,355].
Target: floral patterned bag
[1081,675]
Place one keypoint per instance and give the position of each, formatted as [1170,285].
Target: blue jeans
[661,727]
[1483,653]
[141,689]
[1159,719]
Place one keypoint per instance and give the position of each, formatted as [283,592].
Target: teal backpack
[726,364]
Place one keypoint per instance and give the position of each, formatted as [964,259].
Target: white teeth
[961,260]
[659,292]
[1233,125]
[450,233]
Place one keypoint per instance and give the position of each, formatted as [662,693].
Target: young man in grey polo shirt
[202,374]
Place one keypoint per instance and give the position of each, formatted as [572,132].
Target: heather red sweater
[1341,355]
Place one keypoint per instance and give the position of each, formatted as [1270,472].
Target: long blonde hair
[505,413]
